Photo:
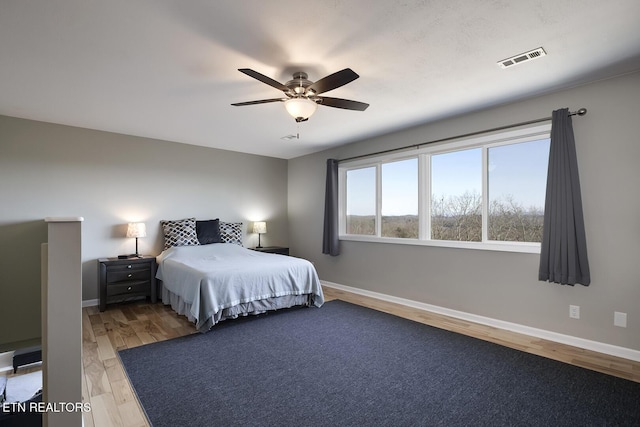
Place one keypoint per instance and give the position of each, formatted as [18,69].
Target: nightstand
[273,250]
[124,279]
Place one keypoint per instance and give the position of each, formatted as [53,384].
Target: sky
[519,170]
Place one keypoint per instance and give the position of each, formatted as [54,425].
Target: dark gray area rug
[346,365]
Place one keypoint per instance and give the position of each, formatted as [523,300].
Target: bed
[213,282]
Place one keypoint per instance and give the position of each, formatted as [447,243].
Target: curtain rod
[580,112]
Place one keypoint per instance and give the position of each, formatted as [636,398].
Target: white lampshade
[137,229]
[300,108]
[260,227]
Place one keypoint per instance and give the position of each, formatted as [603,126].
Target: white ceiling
[168,69]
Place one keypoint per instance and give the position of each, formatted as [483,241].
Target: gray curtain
[563,258]
[330,242]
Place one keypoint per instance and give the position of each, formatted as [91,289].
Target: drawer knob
[129,275]
[129,266]
[129,288]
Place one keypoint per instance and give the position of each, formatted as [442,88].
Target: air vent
[523,57]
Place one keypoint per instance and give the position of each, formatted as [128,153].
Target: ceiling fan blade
[264,79]
[262,101]
[334,80]
[346,104]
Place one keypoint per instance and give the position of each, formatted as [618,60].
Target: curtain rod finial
[582,111]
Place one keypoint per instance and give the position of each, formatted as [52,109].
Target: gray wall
[503,285]
[111,179]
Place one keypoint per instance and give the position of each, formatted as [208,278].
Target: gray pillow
[208,231]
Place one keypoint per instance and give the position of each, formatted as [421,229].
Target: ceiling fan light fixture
[300,108]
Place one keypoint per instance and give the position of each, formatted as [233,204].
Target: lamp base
[137,254]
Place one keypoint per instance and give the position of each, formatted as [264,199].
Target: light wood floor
[113,402]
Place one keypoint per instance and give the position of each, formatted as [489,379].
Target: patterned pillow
[231,232]
[180,232]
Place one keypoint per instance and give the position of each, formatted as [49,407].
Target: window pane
[400,199]
[456,203]
[517,186]
[361,201]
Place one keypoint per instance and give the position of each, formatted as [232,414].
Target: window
[487,192]
[517,186]
[361,201]
[456,195]
[400,199]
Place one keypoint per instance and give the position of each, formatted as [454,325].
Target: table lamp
[259,227]
[137,229]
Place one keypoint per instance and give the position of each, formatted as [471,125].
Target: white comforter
[211,278]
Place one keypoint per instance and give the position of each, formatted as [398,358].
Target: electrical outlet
[620,319]
[574,311]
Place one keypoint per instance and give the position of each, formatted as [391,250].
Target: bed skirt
[243,309]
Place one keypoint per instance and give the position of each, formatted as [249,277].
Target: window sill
[519,247]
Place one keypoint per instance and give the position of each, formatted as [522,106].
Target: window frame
[423,154]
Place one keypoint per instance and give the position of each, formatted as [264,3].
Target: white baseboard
[89,302]
[612,350]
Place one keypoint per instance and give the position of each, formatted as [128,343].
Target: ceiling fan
[301,94]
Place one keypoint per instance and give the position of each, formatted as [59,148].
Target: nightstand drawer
[129,266]
[124,275]
[133,288]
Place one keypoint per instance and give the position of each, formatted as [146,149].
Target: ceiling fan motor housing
[299,84]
